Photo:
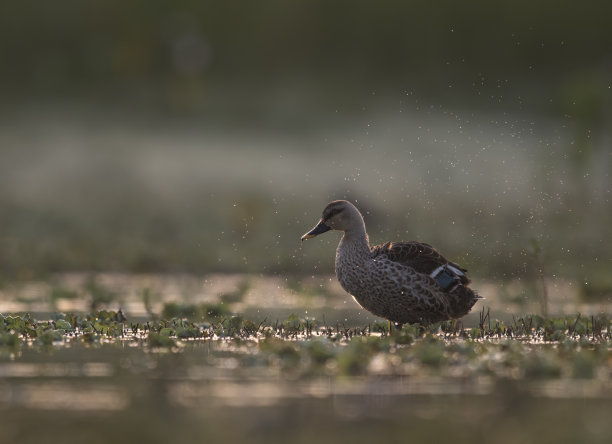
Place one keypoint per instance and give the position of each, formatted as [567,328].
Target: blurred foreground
[163,402]
[100,378]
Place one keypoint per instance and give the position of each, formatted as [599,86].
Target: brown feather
[420,256]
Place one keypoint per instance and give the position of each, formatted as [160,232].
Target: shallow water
[127,394]
[323,387]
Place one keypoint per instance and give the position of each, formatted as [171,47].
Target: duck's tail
[463,299]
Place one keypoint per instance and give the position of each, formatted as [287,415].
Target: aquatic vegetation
[532,347]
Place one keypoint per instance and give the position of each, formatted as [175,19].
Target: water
[217,391]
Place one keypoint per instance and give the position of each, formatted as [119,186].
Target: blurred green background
[208,136]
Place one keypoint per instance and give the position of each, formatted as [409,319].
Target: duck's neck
[355,240]
[352,254]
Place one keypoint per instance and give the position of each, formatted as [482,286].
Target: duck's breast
[374,283]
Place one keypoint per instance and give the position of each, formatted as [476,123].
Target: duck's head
[338,215]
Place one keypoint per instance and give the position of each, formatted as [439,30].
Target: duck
[403,282]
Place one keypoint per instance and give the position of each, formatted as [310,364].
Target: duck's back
[421,257]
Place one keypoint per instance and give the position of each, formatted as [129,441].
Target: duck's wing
[420,256]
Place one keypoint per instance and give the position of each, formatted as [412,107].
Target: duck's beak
[318,229]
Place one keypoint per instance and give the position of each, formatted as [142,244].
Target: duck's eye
[332,213]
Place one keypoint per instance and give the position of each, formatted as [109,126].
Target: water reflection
[64,395]
[56,370]
[102,386]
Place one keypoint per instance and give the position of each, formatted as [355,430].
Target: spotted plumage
[404,282]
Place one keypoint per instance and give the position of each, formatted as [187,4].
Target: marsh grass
[532,347]
[215,321]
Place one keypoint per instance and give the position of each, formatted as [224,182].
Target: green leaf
[63,325]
